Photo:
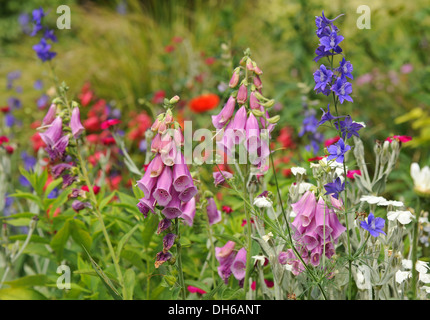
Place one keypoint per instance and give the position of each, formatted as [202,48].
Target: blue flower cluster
[43,47]
[330,79]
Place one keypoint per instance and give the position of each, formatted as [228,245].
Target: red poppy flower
[204,102]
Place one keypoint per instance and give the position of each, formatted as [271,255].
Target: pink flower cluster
[316,229]
[231,262]
[245,125]
[167,182]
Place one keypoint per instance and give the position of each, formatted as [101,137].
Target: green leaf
[34,238]
[40,182]
[59,240]
[211,294]
[28,196]
[20,294]
[52,186]
[124,240]
[29,281]
[59,201]
[106,200]
[105,280]
[151,225]
[79,234]
[129,281]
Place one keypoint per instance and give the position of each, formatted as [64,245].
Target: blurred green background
[128,50]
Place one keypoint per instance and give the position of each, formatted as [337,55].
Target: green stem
[415,252]
[179,260]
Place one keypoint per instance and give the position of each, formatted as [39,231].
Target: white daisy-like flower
[262,202]
[421,178]
[391,203]
[268,236]
[402,276]
[372,199]
[298,170]
[404,217]
[420,266]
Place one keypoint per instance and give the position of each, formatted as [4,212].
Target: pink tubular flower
[189,211]
[219,177]
[238,267]
[109,123]
[214,215]
[181,176]
[225,256]
[75,123]
[193,289]
[220,120]
[162,190]
[399,138]
[50,115]
[350,174]
[242,94]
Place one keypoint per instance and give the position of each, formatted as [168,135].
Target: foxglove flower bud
[214,215]
[234,78]
[242,94]
[50,115]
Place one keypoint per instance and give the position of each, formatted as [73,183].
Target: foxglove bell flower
[214,215]
[220,176]
[75,123]
[238,267]
[220,120]
[56,143]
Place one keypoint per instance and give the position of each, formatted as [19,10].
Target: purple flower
[147,182]
[220,176]
[146,205]
[38,85]
[327,116]
[161,258]
[189,192]
[42,50]
[173,209]
[342,89]
[75,123]
[348,127]
[42,101]
[79,205]
[238,267]
[58,169]
[345,68]
[181,176]
[56,143]
[373,225]
[334,188]
[50,115]
[189,211]
[49,34]
[337,151]
[29,161]
[331,42]
[164,225]
[225,256]
[168,241]
[320,52]
[220,120]
[322,78]
[323,24]
[214,215]
[38,14]
[162,191]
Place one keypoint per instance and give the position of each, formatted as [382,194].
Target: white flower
[298,170]
[262,202]
[391,203]
[372,199]
[402,276]
[303,186]
[424,277]
[404,217]
[268,236]
[362,123]
[421,178]
[420,266]
[259,258]
[363,278]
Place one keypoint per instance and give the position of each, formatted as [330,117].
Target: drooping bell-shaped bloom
[188,193]
[163,225]
[157,166]
[322,215]
[238,267]
[161,258]
[173,209]
[147,183]
[168,241]
[220,176]
[214,215]
[220,120]
[181,176]
[189,211]
[252,138]
[305,208]
[225,256]
[53,133]
[75,123]
[162,190]
[50,115]
[146,205]
[238,126]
